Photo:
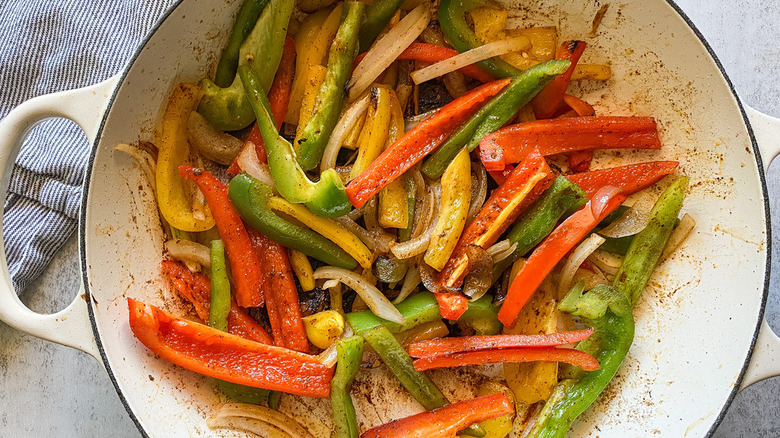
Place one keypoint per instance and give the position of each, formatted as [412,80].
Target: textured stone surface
[49,390]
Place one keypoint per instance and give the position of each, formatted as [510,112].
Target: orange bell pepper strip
[567,134]
[528,181]
[244,264]
[552,249]
[278,97]
[547,101]
[281,298]
[196,289]
[419,142]
[432,53]
[465,344]
[629,179]
[214,353]
[446,421]
[579,106]
[512,355]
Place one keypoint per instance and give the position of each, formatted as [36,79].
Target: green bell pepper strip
[378,15]
[274,397]
[249,197]
[245,21]
[326,197]
[349,351]
[494,114]
[562,197]
[617,245]
[482,316]
[452,19]
[314,136]
[218,319]
[400,364]
[229,109]
[422,308]
[609,310]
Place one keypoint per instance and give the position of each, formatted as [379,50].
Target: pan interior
[696,321]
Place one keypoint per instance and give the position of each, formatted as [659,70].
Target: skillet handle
[86,107]
[765,362]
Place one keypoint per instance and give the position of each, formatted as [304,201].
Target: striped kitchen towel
[48,46]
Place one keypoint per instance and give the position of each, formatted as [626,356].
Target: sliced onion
[419,244]
[501,250]
[387,49]
[496,48]
[189,251]
[478,190]
[606,261]
[590,278]
[574,261]
[602,197]
[251,425]
[374,299]
[375,241]
[678,236]
[348,120]
[211,143]
[634,220]
[411,280]
[355,214]
[235,415]
[370,215]
[248,162]
[144,160]
[413,121]
[480,275]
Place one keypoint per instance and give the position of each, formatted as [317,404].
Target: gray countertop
[49,390]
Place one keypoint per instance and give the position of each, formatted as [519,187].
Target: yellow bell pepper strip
[405,233]
[302,268]
[228,109]
[375,131]
[328,228]
[324,328]
[305,45]
[245,21]
[349,352]
[315,78]
[526,184]
[217,354]
[249,197]
[327,196]
[455,201]
[393,202]
[172,198]
[315,135]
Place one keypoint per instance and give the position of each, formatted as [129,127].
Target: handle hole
[41,211]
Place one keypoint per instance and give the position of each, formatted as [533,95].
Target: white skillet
[701,335]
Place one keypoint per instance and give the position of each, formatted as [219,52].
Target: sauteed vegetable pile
[395,184]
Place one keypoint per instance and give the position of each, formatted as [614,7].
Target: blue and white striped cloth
[48,46]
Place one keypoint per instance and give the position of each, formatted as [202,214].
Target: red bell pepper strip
[547,101]
[432,53]
[464,344]
[281,299]
[196,289]
[579,161]
[244,263]
[552,249]
[513,355]
[278,97]
[445,422]
[452,306]
[214,353]
[567,134]
[419,142]
[629,179]
[492,220]
[579,106]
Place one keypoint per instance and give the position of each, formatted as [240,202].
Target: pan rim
[143,43]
